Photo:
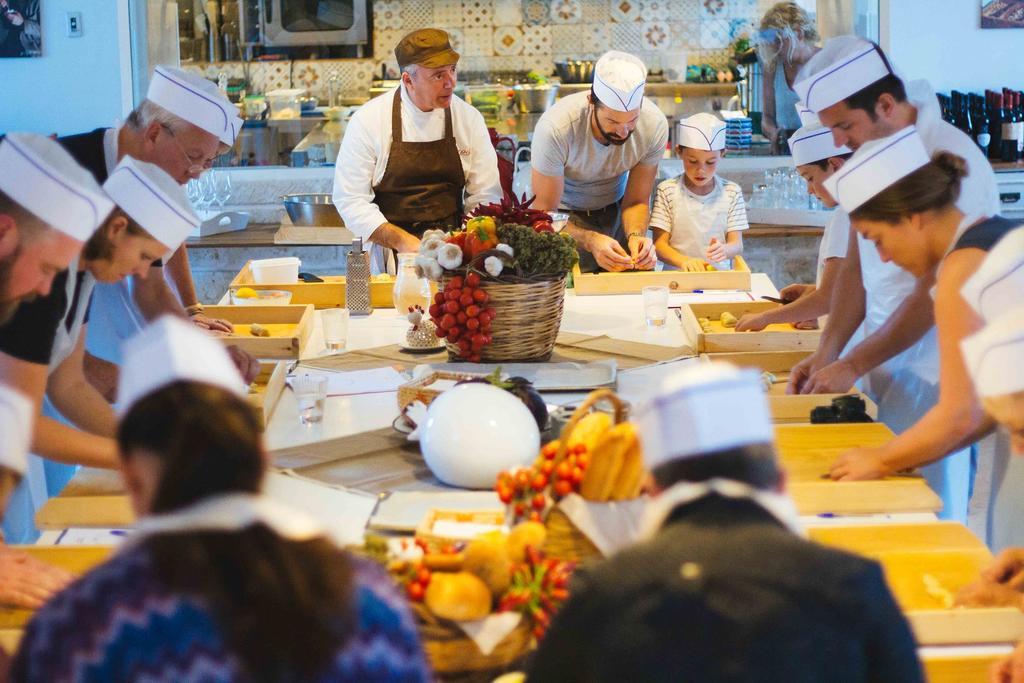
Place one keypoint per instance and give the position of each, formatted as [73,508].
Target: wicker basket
[564,540]
[526,321]
[419,389]
[456,657]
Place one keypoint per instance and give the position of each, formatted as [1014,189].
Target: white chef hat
[877,165]
[17,417]
[813,143]
[844,66]
[807,117]
[999,281]
[171,350]
[995,355]
[693,413]
[619,80]
[43,178]
[196,100]
[153,200]
[701,131]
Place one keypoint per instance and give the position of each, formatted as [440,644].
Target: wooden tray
[62,512]
[792,409]
[873,540]
[327,294]
[75,559]
[266,390]
[959,668]
[807,451]
[863,497]
[724,339]
[426,531]
[420,390]
[676,280]
[779,363]
[292,327]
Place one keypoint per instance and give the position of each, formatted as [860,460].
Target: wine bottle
[1008,144]
[995,128]
[1019,114]
[980,134]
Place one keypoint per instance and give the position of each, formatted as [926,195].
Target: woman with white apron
[905,202]
[153,218]
[214,569]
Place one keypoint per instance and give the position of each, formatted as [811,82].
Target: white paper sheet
[343,512]
[359,381]
[91,536]
[543,376]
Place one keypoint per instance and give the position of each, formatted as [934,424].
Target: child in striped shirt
[699,216]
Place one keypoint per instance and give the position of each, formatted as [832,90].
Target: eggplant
[521,388]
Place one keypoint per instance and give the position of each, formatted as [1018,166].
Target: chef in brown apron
[417,157]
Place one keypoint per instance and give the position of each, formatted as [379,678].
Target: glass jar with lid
[410,290]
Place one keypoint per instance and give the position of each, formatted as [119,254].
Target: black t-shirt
[986,234]
[30,334]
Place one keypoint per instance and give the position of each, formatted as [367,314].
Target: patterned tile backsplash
[523,34]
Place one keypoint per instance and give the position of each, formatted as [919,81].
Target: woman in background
[216,582]
[785,43]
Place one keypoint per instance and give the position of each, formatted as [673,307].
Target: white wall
[942,40]
[77,84]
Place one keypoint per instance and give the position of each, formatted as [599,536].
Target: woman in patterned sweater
[218,583]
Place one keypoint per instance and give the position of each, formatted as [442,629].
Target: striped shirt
[692,219]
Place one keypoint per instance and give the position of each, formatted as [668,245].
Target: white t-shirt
[563,146]
[834,241]
[17,417]
[692,220]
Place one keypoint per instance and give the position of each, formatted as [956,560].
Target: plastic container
[285,104]
[270,271]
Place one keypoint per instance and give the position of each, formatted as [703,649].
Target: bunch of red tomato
[527,489]
[462,316]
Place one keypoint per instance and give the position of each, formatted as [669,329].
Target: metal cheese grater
[357,280]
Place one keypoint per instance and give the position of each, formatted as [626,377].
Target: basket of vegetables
[502,283]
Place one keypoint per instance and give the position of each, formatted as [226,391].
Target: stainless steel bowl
[575,71]
[312,210]
[534,99]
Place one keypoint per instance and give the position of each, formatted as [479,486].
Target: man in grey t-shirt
[596,154]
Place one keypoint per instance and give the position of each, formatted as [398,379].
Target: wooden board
[86,511]
[872,540]
[905,572]
[722,339]
[807,451]
[775,362]
[92,481]
[327,294]
[587,284]
[75,559]
[266,390]
[958,668]
[789,409]
[290,328]
[863,497]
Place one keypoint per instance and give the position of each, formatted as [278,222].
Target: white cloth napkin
[488,632]
[609,526]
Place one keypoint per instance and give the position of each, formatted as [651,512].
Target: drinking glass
[655,305]
[311,394]
[335,324]
[221,181]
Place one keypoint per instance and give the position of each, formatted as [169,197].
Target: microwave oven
[294,23]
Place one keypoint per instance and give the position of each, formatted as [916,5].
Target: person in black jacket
[723,589]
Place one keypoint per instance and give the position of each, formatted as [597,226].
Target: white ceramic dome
[475,431]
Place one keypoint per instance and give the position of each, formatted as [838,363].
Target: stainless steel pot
[534,99]
[312,210]
[575,71]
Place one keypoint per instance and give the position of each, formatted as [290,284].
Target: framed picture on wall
[19,29]
[1002,13]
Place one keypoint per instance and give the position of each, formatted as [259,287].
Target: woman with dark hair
[216,582]
[905,202]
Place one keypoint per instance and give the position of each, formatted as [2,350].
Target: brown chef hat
[427,47]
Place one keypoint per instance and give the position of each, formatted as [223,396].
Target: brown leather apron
[423,182]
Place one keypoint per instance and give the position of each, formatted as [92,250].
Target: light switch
[74,22]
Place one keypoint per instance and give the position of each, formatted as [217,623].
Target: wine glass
[221,181]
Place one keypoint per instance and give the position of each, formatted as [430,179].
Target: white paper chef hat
[196,100]
[844,66]
[619,80]
[701,131]
[17,417]
[44,179]
[999,281]
[995,355]
[877,165]
[814,142]
[153,200]
[701,409]
[172,350]
[807,117]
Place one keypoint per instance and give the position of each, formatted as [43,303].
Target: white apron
[45,478]
[907,386]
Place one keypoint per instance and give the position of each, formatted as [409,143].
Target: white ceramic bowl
[264,297]
[473,432]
